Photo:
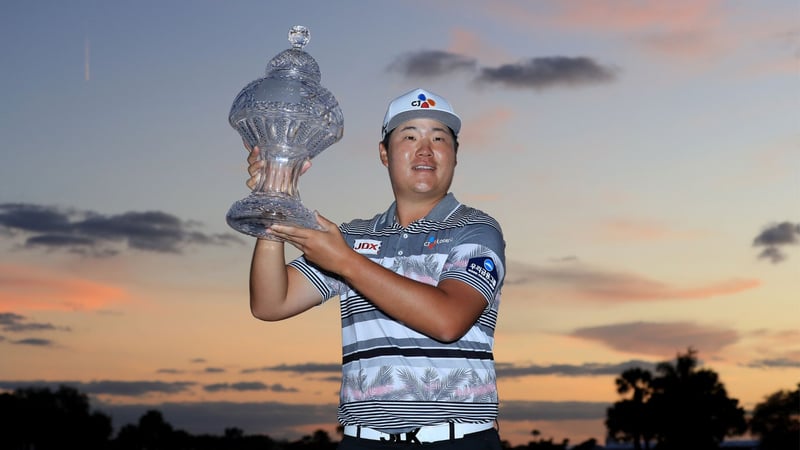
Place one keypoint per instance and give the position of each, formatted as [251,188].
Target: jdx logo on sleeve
[367,246]
[484,268]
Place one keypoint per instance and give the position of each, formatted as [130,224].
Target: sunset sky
[642,157]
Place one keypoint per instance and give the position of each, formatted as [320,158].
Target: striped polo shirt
[395,379]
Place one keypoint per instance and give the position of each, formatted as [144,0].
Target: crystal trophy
[291,118]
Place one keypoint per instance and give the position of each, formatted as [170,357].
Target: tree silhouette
[630,420]
[776,421]
[693,407]
[153,433]
[543,444]
[11,433]
[682,408]
[318,440]
[41,419]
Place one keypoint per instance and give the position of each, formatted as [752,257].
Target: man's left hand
[325,247]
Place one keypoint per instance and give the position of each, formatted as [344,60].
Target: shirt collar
[440,212]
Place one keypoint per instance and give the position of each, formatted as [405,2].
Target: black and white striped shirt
[394,378]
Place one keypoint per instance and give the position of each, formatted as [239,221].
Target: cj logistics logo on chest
[367,246]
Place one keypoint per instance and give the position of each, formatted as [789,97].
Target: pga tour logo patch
[367,246]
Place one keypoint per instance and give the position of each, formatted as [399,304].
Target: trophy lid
[295,62]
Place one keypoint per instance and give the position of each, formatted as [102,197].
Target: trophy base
[255,213]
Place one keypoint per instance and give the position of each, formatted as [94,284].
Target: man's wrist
[269,243]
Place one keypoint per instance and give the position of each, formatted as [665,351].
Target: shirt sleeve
[327,284]
[478,259]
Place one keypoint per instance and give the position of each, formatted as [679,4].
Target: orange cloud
[585,283]
[621,16]
[464,41]
[774,346]
[634,15]
[33,288]
[682,28]
[639,230]
[632,288]
[728,287]
[483,129]
[656,338]
[469,43]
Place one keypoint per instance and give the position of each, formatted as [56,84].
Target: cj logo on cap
[423,102]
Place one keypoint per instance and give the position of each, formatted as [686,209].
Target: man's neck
[409,210]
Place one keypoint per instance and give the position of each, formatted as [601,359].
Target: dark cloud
[214,370]
[92,234]
[35,342]
[778,363]
[565,259]
[15,323]
[533,73]
[659,339]
[299,368]
[136,388]
[170,371]
[197,360]
[778,234]
[570,370]
[34,218]
[430,64]
[773,237]
[503,370]
[125,388]
[540,73]
[247,386]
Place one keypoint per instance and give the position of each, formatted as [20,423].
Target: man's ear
[384,154]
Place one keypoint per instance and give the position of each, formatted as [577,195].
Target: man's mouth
[422,167]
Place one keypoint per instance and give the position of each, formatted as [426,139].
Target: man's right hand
[256,167]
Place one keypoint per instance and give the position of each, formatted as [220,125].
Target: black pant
[482,440]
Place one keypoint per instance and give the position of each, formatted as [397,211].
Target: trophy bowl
[291,118]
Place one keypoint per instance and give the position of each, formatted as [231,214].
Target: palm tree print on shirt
[458,385]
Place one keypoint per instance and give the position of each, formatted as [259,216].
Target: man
[419,288]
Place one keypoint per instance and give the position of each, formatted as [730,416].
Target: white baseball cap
[419,103]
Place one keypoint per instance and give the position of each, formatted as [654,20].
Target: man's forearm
[268,279]
[443,313]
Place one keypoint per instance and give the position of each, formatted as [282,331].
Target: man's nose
[424,147]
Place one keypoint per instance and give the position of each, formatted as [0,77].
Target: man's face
[421,157]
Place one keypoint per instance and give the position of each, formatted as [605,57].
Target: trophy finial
[299,36]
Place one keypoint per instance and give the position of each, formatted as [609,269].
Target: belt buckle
[397,438]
